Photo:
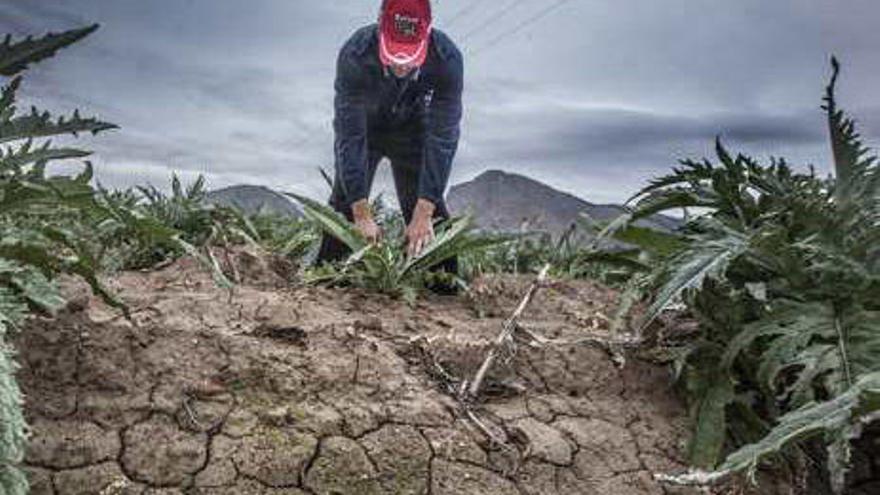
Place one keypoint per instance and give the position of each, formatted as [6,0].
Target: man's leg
[332,249]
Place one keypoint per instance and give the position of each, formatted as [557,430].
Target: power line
[467,9]
[500,14]
[519,27]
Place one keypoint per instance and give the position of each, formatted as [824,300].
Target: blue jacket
[369,102]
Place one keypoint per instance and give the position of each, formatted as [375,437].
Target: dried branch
[483,428]
[191,414]
[607,342]
[693,478]
[504,337]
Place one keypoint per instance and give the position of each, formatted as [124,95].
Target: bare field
[267,389]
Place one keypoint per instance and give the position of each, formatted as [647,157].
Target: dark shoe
[445,289]
[451,286]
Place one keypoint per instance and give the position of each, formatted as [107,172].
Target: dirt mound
[264,391]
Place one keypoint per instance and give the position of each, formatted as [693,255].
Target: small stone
[277,416]
[159,453]
[240,423]
[69,444]
[316,417]
[545,442]
[274,456]
[221,470]
[369,323]
[537,478]
[203,415]
[509,410]
[401,456]
[40,480]
[91,480]
[452,478]
[246,487]
[114,410]
[419,410]
[342,467]
[636,483]
[605,448]
[455,445]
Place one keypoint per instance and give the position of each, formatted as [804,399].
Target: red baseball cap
[404,32]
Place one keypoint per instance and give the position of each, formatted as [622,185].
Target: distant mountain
[255,199]
[502,201]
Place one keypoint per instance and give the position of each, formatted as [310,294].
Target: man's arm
[441,142]
[350,127]
[442,131]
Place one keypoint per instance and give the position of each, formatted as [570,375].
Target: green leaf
[13,309]
[16,159]
[331,222]
[207,260]
[812,363]
[446,244]
[781,353]
[622,259]
[691,172]
[786,317]
[16,56]
[7,99]
[690,269]
[634,292]
[671,199]
[37,209]
[833,417]
[660,244]
[37,124]
[13,481]
[857,176]
[710,431]
[800,338]
[38,290]
[794,266]
[13,436]
[617,225]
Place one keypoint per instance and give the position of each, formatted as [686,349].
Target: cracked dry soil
[272,390]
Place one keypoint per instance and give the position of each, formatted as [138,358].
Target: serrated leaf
[7,99]
[16,56]
[36,124]
[692,267]
[16,159]
[830,416]
[710,430]
[38,290]
[331,222]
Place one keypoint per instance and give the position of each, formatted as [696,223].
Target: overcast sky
[594,98]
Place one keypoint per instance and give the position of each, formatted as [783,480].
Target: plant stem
[844,358]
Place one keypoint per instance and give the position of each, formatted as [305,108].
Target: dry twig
[504,337]
[191,414]
[597,339]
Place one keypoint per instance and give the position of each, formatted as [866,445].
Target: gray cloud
[579,134]
[594,99]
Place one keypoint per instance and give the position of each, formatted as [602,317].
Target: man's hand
[420,231]
[364,222]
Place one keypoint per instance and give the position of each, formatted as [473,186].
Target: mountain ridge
[498,200]
[505,201]
[251,199]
